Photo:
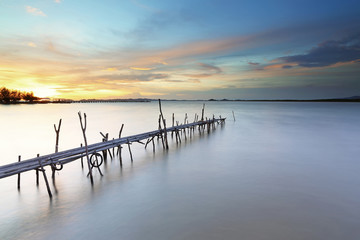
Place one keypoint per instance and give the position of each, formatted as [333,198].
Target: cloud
[35,11]
[62,51]
[31,44]
[130,77]
[210,71]
[111,69]
[141,68]
[253,63]
[287,66]
[328,53]
[210,67]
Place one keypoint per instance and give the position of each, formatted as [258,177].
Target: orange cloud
[112,69]
[141,68]
[280,66]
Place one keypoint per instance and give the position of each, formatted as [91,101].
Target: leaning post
[83,128]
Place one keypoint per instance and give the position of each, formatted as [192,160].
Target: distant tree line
[14,96]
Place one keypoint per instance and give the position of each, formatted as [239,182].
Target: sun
[44,92]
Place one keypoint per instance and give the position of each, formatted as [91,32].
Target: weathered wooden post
[18,181]
[173,121]
[202,112]
[82,162]
[83,128]
[164,123]
[160,135]
[120,147]
[105,139]
[131,157]
[45,178]
[113,150]
[37,173]
[57,132]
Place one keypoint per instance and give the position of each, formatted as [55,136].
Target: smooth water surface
[280,171]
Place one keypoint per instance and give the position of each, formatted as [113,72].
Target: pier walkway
[63,157]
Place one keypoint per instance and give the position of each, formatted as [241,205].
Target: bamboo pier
[92,152]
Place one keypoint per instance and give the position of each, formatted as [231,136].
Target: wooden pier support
[18,180]
[119,146]
[37,173]
[57,132]
[45,178]
[83,128]
[82,160]
[131,157]
[164,123]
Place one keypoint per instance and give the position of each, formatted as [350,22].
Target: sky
[188,49]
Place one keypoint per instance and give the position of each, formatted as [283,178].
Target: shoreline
[151,100]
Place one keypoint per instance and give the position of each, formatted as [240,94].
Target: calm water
[280,171]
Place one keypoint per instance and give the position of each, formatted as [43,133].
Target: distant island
[347,99]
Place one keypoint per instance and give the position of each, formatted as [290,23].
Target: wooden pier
[92,152]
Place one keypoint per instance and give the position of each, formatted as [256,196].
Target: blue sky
[181,49]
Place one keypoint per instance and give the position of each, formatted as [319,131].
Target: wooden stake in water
[45,178]
[131,157]
[202,112]
[37,174]
[57,132]
[119,147]
[164,123]
[83,128]
[18,181]
[82,161]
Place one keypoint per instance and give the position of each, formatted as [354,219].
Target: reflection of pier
[92,152]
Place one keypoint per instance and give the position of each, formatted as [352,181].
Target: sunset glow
[192,50]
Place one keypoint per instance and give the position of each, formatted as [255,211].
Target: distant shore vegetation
[8,96]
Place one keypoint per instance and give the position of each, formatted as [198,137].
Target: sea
[273,171]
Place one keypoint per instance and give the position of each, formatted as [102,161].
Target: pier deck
[67,156]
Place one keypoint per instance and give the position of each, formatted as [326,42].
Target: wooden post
[82,162]
[153,145]
[131,157]
[202,112]
[18,181]
[233,115]
[105,139]
[37,174]
[83,128]
[164,123]
[57,132]
[173,121]
[45,178]
[120,147]
[113,150]
[160,135]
